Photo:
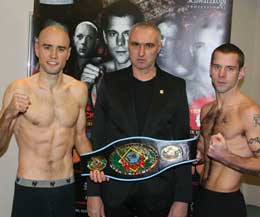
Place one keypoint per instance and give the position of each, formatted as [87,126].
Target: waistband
[222,194]
[44,183]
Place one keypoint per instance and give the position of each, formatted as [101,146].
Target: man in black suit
[141,100]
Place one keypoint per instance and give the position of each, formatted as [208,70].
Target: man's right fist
[19,104]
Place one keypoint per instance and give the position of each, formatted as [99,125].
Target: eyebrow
[50,45]
[139,43]
[216,64]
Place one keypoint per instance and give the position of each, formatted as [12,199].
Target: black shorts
[42,201]
[218,204]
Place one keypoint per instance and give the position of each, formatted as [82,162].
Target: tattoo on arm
[251,141]
[254,140]
[256,120]
[250,172]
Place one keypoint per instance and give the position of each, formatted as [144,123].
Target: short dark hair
[121,9]
[230,48]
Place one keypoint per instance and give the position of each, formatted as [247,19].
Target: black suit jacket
[167,118]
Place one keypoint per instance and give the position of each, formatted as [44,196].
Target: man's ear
[104,36]
[242,73]
[69,51]
[159,47]
[36,47]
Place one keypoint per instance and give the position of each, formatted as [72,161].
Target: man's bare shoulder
[249,110]
[19,86]
[76,87]
[206,108]
[73,83]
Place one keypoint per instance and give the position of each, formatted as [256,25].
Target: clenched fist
[91,73]
[19,104]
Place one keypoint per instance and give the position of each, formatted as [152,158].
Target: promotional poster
[99,29]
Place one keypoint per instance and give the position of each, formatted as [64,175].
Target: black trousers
[139,200]
[44,202]
[218,204]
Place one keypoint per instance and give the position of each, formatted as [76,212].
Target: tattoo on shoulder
[256,120]
[254,140]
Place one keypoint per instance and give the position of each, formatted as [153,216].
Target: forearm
[5,130]
[83,145]
[248,165]
[218,150]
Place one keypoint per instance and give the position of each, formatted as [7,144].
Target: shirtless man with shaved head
[46,113]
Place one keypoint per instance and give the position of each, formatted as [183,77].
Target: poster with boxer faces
[99,29]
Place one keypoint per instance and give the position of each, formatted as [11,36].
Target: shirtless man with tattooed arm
[46,113]
[229,143]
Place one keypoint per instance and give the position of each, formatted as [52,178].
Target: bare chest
[48,108]
[227,123]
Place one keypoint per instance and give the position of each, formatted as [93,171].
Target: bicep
[7,98]
[82,143]
[252,129]
[81,120]
[80,92]
[15,87]
[253,138]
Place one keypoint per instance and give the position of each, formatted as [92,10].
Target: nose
[141,50]
[120,40]
[222,72]
[53,53]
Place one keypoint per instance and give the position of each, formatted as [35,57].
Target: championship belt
[138,158]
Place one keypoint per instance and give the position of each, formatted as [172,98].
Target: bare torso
[227,121]
[45,133]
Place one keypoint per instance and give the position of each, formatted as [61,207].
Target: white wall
[13,59]
[246,33]
[14,18]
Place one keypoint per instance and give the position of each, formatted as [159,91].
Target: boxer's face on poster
[84,39]
[116,37]
[168,32]
[207,40]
